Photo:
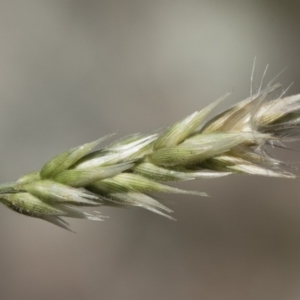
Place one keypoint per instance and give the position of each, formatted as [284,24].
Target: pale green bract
[129,171]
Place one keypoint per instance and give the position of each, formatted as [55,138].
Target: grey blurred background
[73,71]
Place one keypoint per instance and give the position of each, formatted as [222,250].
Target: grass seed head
[128,171]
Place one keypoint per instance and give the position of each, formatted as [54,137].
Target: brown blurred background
[73,71]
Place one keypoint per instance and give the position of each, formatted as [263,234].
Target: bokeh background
[73,71]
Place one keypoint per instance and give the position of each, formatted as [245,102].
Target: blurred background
[73,71]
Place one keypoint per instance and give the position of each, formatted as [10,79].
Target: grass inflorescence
[130,170]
